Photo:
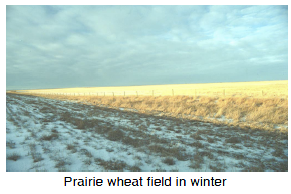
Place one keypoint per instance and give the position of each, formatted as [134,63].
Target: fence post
[136,94]
[153,92]
[123,93]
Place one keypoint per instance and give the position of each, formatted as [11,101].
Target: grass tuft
[10,144]
[13,156]
[233,140]
[50,137]
[169,161]
[115,135]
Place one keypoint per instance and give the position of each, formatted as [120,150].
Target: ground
[50,135]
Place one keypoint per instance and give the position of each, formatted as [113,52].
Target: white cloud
[66,43]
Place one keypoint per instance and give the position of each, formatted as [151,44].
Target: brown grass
[233,140]
[264,112]
[169,161]
[36,156]
[257,112]
[238,89]
[134,168]
[14,156]
[115,135]
[112,164]
[72,147]
[60,163]
[10,144]
[50,137]
[130,141]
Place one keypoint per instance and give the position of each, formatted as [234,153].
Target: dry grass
[169,161]
[50,137]
[60,163]
[10,144]
[168,152]
[233,140]
[13,156]
[243,112]
[112,164]
[36,156]
[169,139]
[197,161]
[134,168]
[72,147]
[130,141]
[264,111]
[216,167]
[259,88]
[115,135]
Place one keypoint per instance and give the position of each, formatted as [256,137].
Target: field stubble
[262,113]
[148,133]
[51,135]
[261,104]
[259,89]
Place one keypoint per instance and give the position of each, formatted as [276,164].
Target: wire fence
[169,92]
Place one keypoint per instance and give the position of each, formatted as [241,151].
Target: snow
[35,132]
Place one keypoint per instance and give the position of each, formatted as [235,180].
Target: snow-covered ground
[51,135]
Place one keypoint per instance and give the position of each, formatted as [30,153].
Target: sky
[93,46]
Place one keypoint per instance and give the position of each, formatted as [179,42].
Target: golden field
[255,105]
[267,89]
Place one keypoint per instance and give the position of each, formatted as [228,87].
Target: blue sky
[91,46]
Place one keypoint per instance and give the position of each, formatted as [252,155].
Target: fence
[170,92]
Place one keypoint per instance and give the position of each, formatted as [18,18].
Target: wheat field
[261,105]
[173,133]
[268,89]
[49,135]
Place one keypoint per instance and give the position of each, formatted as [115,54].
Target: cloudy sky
[86,46]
